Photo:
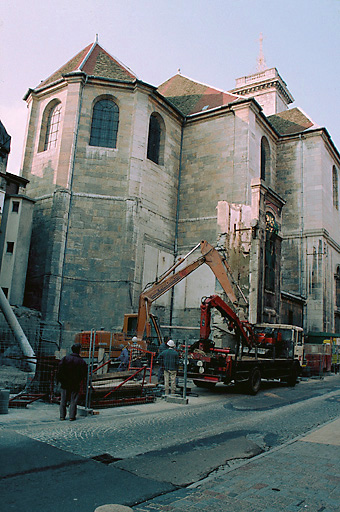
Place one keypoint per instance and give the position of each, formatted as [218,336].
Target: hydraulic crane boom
[210,256]
[243,328]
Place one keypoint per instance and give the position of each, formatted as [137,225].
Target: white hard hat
[134,339]
[170,343]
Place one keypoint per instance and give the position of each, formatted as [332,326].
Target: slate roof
[191,97]
[95,61]
[5,141]
[291,121]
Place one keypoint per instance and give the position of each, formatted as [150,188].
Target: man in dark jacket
[71,371]
[170,360]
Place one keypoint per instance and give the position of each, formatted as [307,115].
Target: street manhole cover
[105,458]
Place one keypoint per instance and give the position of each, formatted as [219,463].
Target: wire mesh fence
[100,349]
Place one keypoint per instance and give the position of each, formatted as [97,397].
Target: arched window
[335,188]
[104,127]
[50,126]
[270,251]
[265,158]
[156,138]
[337,300]
[337,287]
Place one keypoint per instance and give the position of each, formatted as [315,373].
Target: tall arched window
[52,129]
[335,188]
[337,287]
[337,300]
[270,251]
[156,138]
[104,127]
[265,158]
[50,126]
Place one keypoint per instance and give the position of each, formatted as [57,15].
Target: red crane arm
[214,301]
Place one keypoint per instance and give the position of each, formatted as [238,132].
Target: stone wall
[311,245]
[102,211]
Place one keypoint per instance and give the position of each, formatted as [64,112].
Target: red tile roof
[191,97]
[93,60]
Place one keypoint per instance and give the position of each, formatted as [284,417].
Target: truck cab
[286,340]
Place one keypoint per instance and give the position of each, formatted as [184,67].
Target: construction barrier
[318,358]
[105,386]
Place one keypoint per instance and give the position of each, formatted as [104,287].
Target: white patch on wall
[2,201]
[234,220]
[201,283]
[156,262]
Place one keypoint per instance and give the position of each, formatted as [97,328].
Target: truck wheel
[203,384]
[254,381]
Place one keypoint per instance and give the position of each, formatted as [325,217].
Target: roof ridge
[284,113]
[86,62]
[199,83]
[202,83]
[112,57]
[83,62]
[122,64]
[308,116]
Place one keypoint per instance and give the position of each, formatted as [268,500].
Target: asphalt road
[149,449]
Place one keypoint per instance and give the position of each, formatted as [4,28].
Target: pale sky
[211,41]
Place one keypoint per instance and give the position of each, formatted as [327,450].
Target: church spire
[261,63]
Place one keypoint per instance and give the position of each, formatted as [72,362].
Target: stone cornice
[310,233]
[269,192]
[269,78]
[276,84]
[293,296]
[312,132]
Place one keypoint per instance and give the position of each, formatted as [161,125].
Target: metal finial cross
[261,63]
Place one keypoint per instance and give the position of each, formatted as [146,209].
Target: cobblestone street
[222,451]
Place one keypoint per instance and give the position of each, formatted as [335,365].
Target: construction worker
[124,359]
[160,375]
[136,353]
[170,360]
[71,372]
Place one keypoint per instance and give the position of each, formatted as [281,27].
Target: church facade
[127,177]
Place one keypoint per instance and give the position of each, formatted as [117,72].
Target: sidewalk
[302,475]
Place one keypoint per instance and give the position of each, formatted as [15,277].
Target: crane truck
[264,351]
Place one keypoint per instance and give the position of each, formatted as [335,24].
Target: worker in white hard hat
[170,360]
[136,354]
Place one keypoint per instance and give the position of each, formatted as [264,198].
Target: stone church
[126,177]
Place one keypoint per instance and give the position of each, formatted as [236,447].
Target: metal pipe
[177,215]
[70,188]
[88,373]
[185,370]
[92,364]
[18,332]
